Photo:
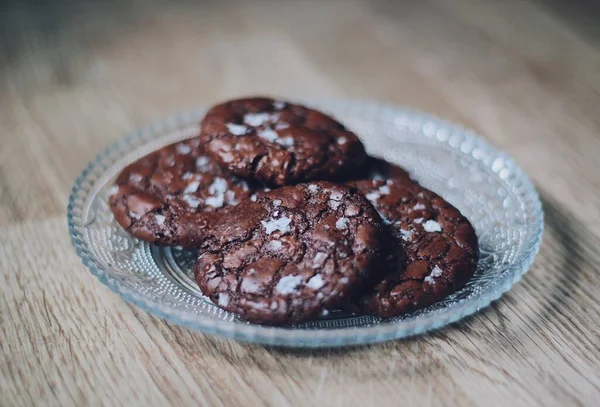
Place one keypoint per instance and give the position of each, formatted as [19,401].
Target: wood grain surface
[75,77]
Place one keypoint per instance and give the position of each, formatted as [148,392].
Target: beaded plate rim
[300,337]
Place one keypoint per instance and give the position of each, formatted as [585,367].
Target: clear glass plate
[484,183]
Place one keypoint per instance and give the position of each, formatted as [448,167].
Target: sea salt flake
[268,134]
[418,220]
[230,198]
[215,201]
[288,284]
[436,272]
[223,300]
[278,104]
[336,196]
[236,129]
[324,313]
[191,200]
[183,149]
[202,162]
[318,260]
[256,119]
[274,245]
[160,219]
[219,186]
[342,223]
[373,196]
[286,141]
[282,126]
[134,177]
[277,202]
[187,176]
[253,198]
[113,190]
[316,282]
[282,224]
[334,204]
[406,234]
[344,280]
[191,187]
[432,226]
[419,207]
[342,140]
[134,215]
[313,189]
[384,189]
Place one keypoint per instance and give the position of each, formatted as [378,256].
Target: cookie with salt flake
[173,195]
[430,250]
[290,253]
[279,143]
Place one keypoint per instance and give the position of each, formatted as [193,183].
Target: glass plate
[484,183]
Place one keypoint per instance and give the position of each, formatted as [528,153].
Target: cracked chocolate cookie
[286,255]
[279,143]
[438,245]
[173,195]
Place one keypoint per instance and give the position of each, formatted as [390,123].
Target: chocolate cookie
[286,255]
[439,245]
[173,195]
[380,169]
[279,143]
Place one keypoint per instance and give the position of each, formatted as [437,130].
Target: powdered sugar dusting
[342,223]
[316,282]
[432,226]
[282,224]
[342,140]
[313,189]
[187,176]
[419,207]
[113,190]
[236,129]
[278,104]
[418,220]
[288,284]
[282,126]
[334,204]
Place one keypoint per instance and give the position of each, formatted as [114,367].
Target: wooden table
[524,74]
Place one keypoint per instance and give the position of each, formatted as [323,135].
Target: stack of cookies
[292,218]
